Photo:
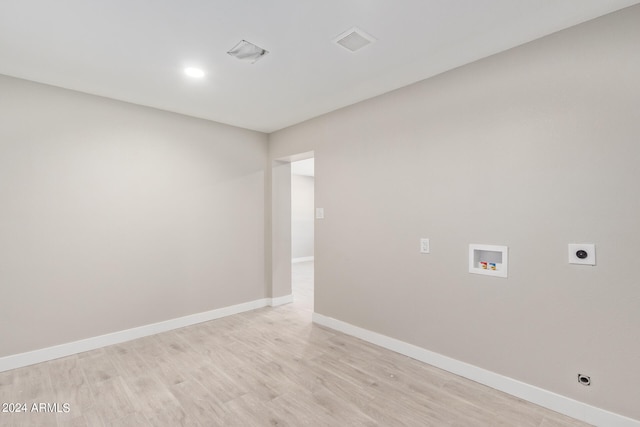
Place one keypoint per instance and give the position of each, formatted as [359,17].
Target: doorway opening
[302,232]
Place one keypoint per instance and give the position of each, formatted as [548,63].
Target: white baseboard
[55,352]
[274,302]
[533,394]
[301,259]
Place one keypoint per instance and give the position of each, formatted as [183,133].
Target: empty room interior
[330,213]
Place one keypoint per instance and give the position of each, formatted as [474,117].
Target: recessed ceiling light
[194,72]
[247,52]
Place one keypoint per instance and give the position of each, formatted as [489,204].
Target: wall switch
[424,246]
[582,253]
[319,213]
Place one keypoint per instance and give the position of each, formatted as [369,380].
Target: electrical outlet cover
[424,246]
[589,248]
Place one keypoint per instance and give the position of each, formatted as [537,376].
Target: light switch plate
[425,247]
[319,213]
[587,252]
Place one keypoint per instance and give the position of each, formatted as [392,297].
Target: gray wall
[534,148]
[114,216]
[302,216]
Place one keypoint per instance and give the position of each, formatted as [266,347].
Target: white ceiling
[135,50]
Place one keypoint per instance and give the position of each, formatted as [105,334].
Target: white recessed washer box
[488,260]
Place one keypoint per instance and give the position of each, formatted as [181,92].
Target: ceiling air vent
[248,52]
[354,39]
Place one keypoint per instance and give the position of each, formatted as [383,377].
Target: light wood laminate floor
[268,367]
